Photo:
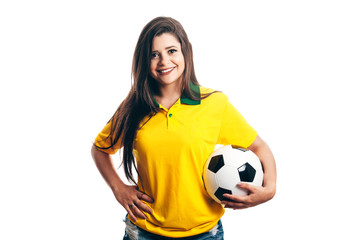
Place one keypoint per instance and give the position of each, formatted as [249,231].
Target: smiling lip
[165,71]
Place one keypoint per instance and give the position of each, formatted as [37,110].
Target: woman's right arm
[128,196]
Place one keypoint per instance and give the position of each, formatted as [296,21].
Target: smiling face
[167,61]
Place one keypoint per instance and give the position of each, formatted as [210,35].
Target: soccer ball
[228,166]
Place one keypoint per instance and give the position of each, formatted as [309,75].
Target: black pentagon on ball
[220,191]
[246,173]
[216,163]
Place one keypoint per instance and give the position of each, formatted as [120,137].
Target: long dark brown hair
[139,102]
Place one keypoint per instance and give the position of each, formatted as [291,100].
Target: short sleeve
[103,141]
[234,128]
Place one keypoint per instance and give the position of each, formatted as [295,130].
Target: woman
[168,126]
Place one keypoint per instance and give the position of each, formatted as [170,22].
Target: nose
[164,60]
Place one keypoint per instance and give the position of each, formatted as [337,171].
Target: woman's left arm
[257,195]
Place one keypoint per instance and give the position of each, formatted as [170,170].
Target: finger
[234,205]
[145,197]
[143,207]
[236,198]
[138,212]
[131,215]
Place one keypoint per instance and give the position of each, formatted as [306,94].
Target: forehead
[164,41]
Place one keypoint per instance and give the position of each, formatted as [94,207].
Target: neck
[168,95]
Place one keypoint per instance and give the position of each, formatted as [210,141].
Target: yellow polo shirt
[171,150]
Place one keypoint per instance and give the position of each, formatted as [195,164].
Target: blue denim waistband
[133,232]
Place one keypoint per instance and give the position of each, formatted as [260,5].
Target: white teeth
[167,70]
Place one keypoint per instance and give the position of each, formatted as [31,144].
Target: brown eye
[154,55]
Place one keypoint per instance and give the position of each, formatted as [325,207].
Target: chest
[183,126]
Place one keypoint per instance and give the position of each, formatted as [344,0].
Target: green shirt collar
[184,99]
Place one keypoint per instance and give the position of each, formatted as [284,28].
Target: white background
[290,67]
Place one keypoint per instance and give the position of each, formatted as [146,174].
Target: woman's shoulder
[213,94]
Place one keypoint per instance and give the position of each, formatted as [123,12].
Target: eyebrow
[171,47]
[167,48]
